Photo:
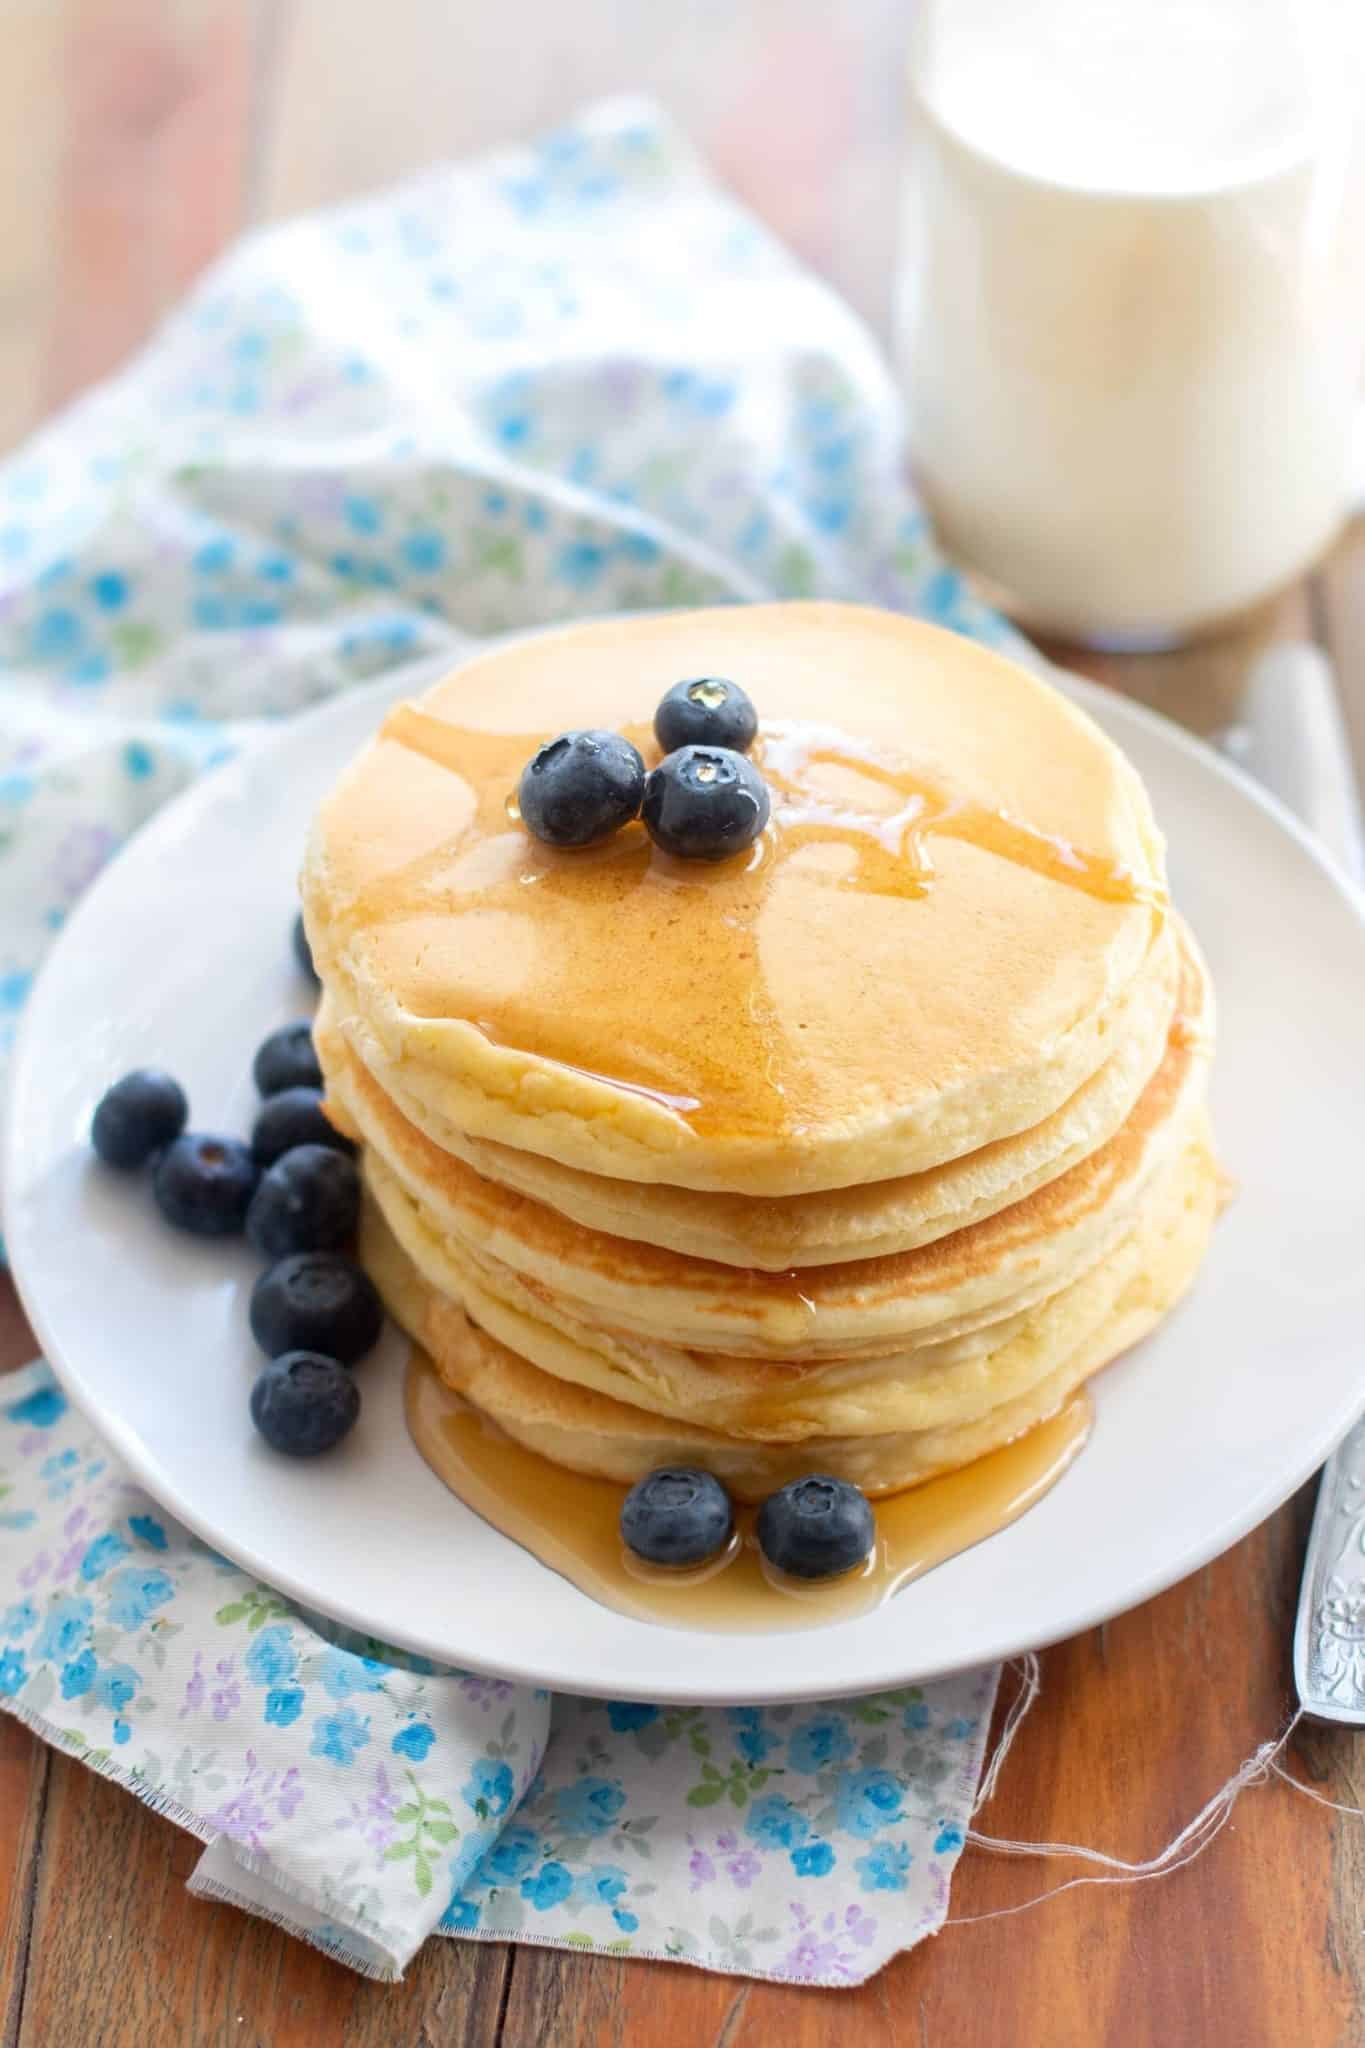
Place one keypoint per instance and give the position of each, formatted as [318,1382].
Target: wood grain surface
[136,137]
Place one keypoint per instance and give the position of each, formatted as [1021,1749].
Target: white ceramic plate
[180,957]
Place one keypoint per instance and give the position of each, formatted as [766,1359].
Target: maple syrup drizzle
[789,752]
[686,1014]
[571,1522]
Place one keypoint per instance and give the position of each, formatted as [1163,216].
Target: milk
[1130,322]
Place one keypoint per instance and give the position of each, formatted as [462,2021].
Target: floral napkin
[568,379]
[365,1800]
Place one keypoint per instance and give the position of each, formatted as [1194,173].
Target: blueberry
[303,952]
[308,1201]
[293,1117]
[816,1528]
[303,1403]
[287,1059]
[580,788]
[676,1515]
[316,1301]
[708,712]
[137,1116]
[705,803]
[205,1184]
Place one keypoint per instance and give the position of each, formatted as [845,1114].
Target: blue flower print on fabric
[78,1677]
[13,1671]
[885,1867]
[588,1807]
[490,1788]
[271,1657]
[106,1550]
[363,515]
[40,1410]
[603,1884]
[135,1594]
[580,563]
[59,1471]
[813,1745]
[283,1705]
[109,590]
[414,1741]
[510,1857]
[774,1823]
[339,1737]
[115,1685]
[813,1859]
[66,1628]
[867,1800]
[18,1619]
[550,1886]
[754,1739]
[343,1674]
[623,1715]
[56,633]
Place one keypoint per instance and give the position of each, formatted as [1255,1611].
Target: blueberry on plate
[677,1515]
[705,803]
[293,1117]
[316,1301]
[308,1201]
[137,1116]
[303,1403]
[205,1184]
[707,712]
[580,788]
[287,1059]
[816,1528]
[303,952]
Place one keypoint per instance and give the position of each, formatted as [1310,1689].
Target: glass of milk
[1132,312]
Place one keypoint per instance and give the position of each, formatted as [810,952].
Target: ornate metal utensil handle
[1329,1641]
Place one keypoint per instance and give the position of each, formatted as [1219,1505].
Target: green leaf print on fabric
[432,1828]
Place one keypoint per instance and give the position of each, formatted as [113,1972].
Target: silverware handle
[1329,1638]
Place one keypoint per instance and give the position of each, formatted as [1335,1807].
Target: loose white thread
[1192,1840]
[1318,1798]
[1030,1685]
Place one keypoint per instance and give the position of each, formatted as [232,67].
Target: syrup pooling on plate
[697,1012]
[570,1521]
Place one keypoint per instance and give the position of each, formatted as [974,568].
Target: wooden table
[136,137]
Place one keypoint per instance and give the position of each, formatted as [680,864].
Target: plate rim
[999,1643]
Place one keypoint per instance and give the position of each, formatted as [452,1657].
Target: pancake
[913,1386]
[780,1233]
[939,942]
[858,1152]
[591,1432]
[473,1235]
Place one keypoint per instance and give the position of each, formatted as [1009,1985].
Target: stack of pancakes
[856,1153]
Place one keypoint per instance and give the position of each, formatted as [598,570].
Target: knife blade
[1292,738]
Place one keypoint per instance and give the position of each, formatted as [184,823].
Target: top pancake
[928,951]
